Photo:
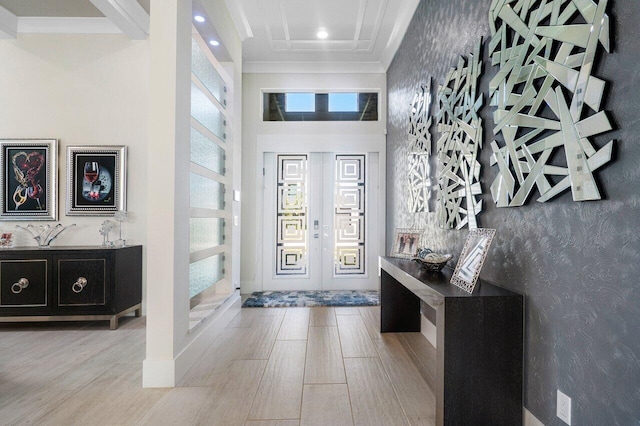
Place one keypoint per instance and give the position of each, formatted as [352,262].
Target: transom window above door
[309,106]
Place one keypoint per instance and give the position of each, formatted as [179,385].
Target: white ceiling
[57,8]
[278,35]
[130,17]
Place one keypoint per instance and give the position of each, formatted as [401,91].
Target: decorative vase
[45,234]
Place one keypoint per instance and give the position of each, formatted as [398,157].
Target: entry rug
[273,299]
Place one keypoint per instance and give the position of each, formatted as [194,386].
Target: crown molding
[252,67]
[127,15]
[405,16]
[8,24]
[48,25]
[239,18]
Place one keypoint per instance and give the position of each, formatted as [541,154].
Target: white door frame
[339,144]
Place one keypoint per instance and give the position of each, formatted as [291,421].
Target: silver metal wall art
[460,141]
[546,98]
[420,151]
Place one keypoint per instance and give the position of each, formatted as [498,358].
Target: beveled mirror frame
[472,258]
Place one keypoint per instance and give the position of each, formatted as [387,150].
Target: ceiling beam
[239,18]
[127,15]
[405,15]
[8,24]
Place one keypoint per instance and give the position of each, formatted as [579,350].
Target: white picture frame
[472,258]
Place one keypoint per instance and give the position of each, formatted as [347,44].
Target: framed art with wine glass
[96,180]
[28,180]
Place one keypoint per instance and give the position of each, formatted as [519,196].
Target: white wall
[255,130]
[82,90]
[172,347]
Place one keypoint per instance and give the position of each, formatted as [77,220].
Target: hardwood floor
[269,367]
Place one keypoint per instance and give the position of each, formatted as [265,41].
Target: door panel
[320,231]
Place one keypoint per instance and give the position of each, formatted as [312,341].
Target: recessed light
[214,42]
[322,34]
[199,18]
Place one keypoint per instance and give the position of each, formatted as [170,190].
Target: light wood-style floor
[269,367]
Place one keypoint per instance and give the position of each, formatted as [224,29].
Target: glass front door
[320,232]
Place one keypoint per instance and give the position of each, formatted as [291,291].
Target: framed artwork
[29,179]
[96,180]
[406,243]
[472,257]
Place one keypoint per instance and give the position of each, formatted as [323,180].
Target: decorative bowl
[434,261]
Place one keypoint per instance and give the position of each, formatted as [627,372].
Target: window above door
[309,106]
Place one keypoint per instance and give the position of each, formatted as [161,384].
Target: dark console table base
[70,284]
[113,319]
[479,341]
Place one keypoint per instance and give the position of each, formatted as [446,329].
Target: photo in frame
[96,180]
[406,243]
[29,179]
[472,258]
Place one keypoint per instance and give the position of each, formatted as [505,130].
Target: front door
[320,221]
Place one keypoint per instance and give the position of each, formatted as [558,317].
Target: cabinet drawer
[23,283]
[82,282]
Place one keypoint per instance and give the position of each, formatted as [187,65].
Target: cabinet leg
[138,312]
[113,322]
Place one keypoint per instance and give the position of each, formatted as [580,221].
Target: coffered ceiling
[281,35]
[278,35]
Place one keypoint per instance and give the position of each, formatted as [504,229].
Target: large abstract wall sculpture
[460,128]
[546,98]
[420,151]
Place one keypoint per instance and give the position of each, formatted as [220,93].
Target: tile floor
[269,366]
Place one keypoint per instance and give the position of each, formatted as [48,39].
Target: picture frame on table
[473,255]
[96,180]
[28,182]
[406,243]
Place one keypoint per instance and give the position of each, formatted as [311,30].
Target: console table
[479,341]
[70,284]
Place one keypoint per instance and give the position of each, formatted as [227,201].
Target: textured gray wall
[577,263]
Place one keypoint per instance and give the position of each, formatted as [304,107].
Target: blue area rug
[272,299]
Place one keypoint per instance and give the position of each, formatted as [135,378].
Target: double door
[320,222]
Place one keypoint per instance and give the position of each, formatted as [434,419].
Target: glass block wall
[208,177]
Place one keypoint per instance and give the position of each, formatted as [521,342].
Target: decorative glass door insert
[319,231]
[292,220]
[349,220]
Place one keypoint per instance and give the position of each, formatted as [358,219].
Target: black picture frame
[96,180]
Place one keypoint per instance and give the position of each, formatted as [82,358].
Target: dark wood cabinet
[479,341]
[70,284]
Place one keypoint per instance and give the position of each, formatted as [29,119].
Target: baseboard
[247,287]
[209,329]
[167,373]
[530,419]
[158,373]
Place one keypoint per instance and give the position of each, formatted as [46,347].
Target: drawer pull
[79,285]
[17,288]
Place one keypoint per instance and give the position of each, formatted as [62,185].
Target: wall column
[167,189]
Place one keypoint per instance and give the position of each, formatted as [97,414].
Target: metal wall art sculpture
[420,151]
[546,98]
[459,144]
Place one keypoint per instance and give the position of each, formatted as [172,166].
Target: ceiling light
[199,18]
[322,34]
[214,42]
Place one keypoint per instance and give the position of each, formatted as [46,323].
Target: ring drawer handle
[79,285]
[17,288]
